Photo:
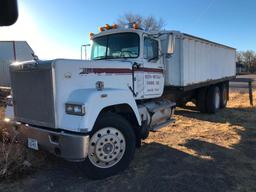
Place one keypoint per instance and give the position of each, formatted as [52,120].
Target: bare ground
[198,153]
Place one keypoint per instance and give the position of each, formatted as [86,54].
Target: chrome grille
[32,86]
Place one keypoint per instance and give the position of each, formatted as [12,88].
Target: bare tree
[248,59]
[239,57]
[254,63]
[129,18]
[148,23]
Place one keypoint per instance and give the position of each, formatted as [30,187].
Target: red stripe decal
[118,70]
[154,70]
[104,70]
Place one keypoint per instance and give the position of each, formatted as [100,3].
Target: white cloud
[26,28]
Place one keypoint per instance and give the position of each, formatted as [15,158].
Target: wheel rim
[107,147]
[217,98]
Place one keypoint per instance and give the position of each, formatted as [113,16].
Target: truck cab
[96,110]
[144,52]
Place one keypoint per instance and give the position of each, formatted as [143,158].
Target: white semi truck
[99,110]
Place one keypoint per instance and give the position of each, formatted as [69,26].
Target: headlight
[75,109]
[7,120]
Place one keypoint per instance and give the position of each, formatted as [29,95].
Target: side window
[151,49]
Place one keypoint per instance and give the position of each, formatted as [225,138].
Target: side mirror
[8,12]
[85,51]
[170,48]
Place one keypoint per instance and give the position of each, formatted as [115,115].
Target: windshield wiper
[112,57]
[99,58]
[105,57]
[109,57]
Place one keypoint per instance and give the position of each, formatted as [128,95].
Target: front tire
[111,147]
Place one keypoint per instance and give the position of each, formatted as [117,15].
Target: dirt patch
[199,152]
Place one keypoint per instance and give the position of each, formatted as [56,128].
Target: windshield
[121,45]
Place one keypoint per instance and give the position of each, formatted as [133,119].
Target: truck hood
[90,71]
[80,73]
[106,66]
[42,88]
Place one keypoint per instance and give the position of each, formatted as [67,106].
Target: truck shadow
[238,161]
[156,167]
[244,118]
[159,167]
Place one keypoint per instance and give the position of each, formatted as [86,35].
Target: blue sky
[58,28]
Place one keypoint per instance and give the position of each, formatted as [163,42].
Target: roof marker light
[114,26]
[101,29]
[91,35]
[107,26]
[135,26]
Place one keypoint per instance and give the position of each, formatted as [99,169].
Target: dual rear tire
[211,99]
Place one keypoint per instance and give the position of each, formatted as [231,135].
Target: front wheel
[111,146]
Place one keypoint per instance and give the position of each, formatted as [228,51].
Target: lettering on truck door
[152,68]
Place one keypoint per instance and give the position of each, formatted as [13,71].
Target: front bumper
[69,146]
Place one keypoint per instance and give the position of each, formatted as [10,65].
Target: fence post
[250,92]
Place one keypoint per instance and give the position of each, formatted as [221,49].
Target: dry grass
[222,129]
[15,159]
[227,139]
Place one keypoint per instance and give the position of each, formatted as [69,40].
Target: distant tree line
[247,60]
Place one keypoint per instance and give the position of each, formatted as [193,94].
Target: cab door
[153,69]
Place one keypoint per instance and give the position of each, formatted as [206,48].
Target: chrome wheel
[107,147]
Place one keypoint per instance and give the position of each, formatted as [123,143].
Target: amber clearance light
[107,26]
[101,29]
[135,26]
[91,35]
[114,26]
